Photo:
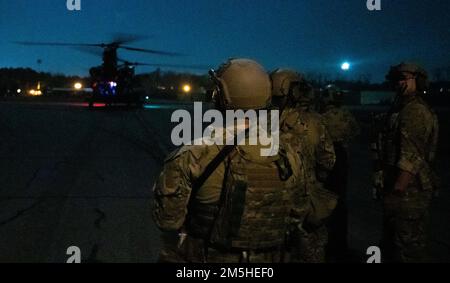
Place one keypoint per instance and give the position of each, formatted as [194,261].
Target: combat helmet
[291,85]
[396,73]
[241,84]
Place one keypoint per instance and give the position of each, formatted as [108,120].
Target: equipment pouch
[323,202]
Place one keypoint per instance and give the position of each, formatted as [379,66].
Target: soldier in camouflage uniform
[305,131]
[228,203]
[342,127]
[408,150]
[341,124]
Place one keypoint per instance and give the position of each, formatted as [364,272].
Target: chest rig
[253,206]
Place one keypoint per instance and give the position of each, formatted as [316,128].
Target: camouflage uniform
[306,132]
[239,213]
[341,124]
[408,150]
[409,144]
[342,127]
[261,235]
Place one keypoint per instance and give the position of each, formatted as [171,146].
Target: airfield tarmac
[70,176]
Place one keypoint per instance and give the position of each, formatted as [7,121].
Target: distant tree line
[169,84]
[12,79]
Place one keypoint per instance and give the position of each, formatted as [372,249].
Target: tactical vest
[253,209]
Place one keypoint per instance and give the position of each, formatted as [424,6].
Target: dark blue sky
[309,35]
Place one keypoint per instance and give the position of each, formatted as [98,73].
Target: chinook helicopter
[112,82]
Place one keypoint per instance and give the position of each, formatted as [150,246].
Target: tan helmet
[292,85]
[282,81]
[241,84]
[395,73]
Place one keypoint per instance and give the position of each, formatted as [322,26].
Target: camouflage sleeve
[326,156]
[172,191]
[415,127]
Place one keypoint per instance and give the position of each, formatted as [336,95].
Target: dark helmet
[396,73]
[241,84]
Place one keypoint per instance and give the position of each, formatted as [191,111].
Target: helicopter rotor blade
[165,53]
[117,44]
[123,38]
[196,67]
[58,44]
[181,66]
[89,50]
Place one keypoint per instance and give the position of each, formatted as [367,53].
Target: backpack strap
[211,167]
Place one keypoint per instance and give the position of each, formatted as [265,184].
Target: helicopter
[112,82]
